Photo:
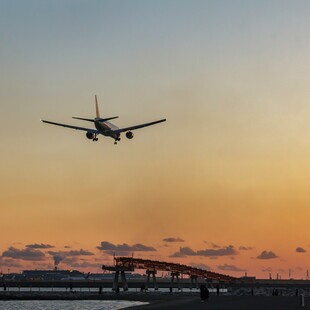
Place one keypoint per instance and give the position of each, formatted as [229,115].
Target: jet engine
[129,135]
[90,135]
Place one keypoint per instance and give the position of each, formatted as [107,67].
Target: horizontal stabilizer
[97,119]
[106,119]
[84,119]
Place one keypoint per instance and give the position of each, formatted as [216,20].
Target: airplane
[104,127]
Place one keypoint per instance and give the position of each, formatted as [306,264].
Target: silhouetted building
[52,275]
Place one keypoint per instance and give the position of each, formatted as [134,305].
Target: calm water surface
[67,305]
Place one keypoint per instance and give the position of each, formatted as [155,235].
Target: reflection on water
[67,305]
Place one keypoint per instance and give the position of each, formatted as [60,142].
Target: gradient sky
[226,179]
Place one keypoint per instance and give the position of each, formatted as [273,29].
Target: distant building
[248,279]
[52,275]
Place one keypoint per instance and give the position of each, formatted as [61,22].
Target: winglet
[97,108]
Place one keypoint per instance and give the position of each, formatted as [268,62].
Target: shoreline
[166,301]
[131,296]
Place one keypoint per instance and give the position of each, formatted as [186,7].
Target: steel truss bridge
[123,264]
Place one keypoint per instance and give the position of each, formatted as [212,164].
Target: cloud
[78,263]
[201,266]
[124,248]
[9,262]
[171,239]
[227,267]
[229,250]
[225,251]
[300,250]
[59,256]
[245,248]
[187,251]
[267,255]
[214,245]
[28,254]
[177,255]
[80,252]
[39,246]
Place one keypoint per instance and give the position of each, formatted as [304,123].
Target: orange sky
[229,171]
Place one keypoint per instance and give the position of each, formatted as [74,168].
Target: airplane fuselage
[106,128]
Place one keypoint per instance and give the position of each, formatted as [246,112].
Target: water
[68,304]
[105,290]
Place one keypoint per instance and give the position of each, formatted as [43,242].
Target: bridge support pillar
[177,276]
[125,285]
[124,282]
[149,273]
[115,282]
[194,282]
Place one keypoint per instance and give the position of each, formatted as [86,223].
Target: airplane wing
[137,126]
[94,131]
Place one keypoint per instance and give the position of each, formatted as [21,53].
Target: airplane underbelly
[105,130]
[101,128]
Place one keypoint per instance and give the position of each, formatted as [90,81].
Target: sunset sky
[224,184]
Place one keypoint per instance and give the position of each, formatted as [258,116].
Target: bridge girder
[130,264]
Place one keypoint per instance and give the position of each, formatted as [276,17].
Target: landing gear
[95,138]
[118,139]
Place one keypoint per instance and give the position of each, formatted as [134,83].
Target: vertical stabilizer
[97,108]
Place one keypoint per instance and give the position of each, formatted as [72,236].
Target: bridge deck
[131,263]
